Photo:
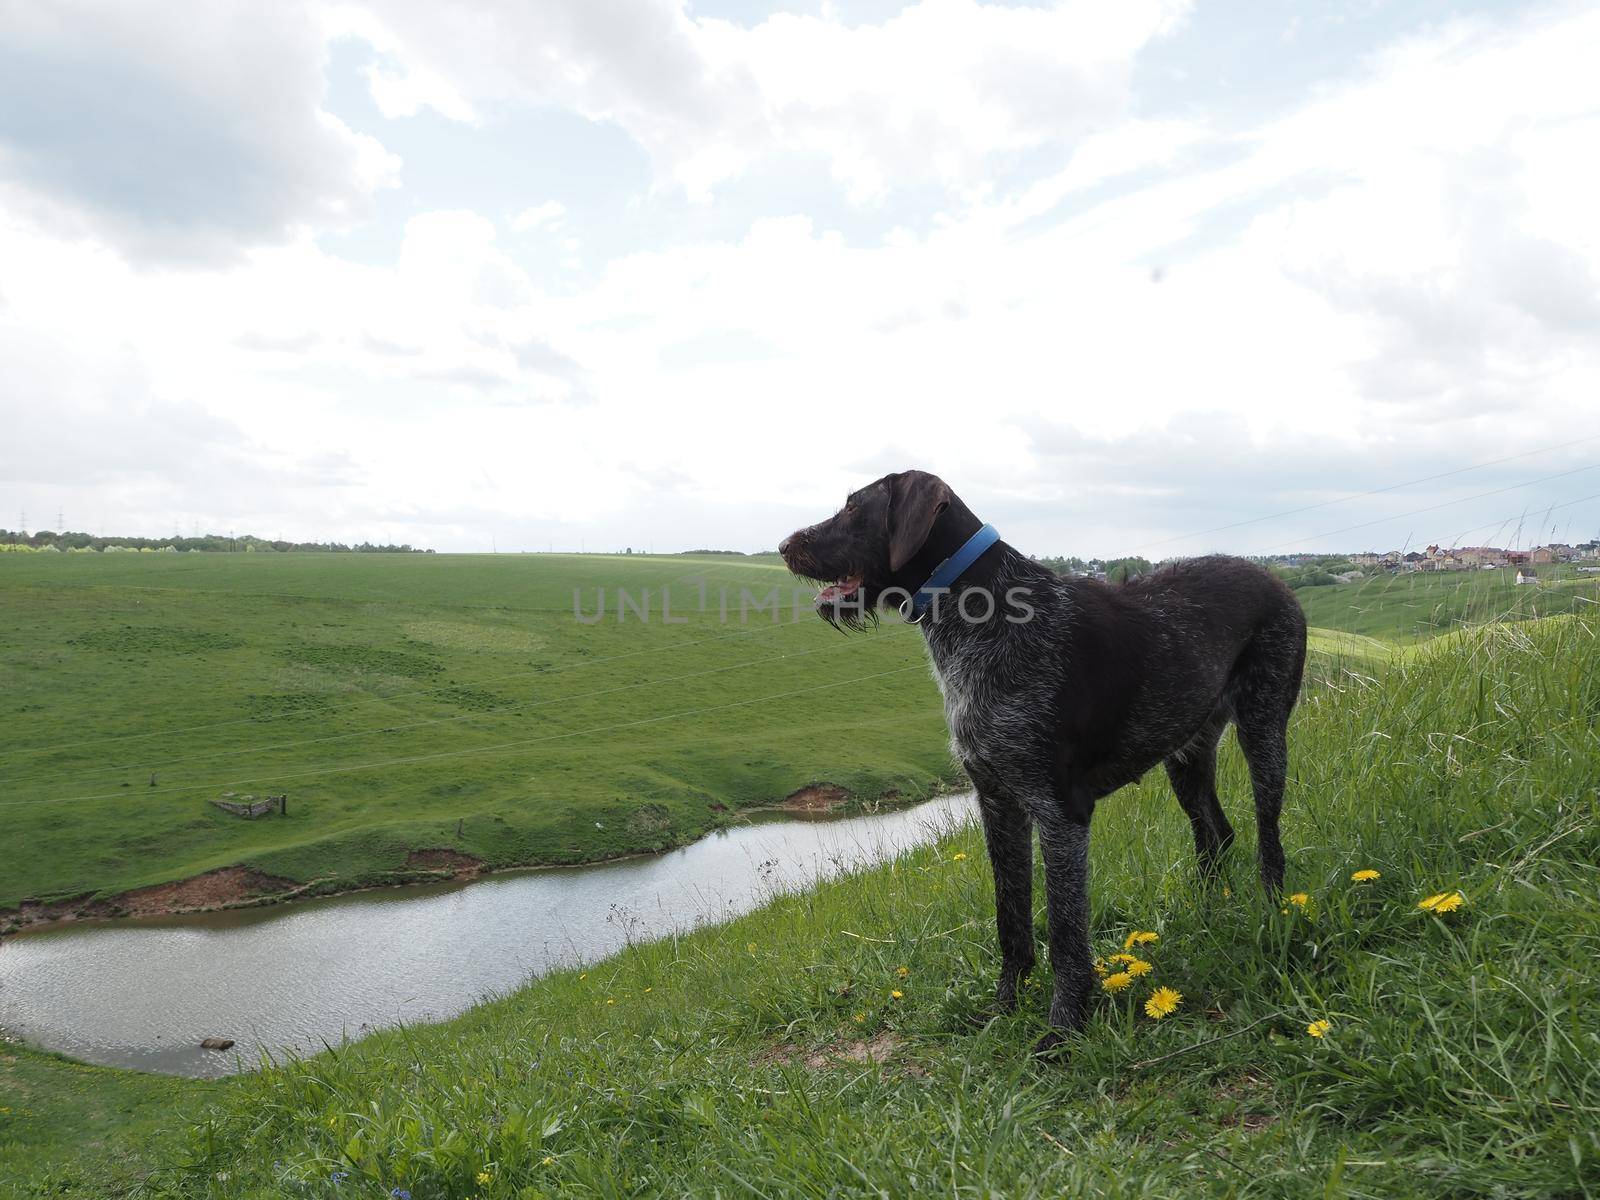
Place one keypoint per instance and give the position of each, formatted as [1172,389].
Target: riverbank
[839,1041]
[71,1129]
[418,702]
[147,994]
[239,887]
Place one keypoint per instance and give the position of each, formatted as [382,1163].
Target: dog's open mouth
[838,593]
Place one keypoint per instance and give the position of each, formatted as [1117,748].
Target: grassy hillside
[839,1042]
[1424,604]
[397,699]
[408,702]
[70,1129]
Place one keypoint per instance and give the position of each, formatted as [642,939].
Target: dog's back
[1171,653]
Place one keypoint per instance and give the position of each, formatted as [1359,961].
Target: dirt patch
[215,889]
[1245,1095]
[880,1048]
[443,859]
[226,887]
[649,821]
[817,797]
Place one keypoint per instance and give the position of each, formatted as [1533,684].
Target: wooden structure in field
[250,807]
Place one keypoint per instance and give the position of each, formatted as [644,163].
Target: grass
[415,701]
[1423,604]
[1462,1056]
[407,702]
[66,1127]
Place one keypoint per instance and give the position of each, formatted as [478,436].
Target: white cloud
[1394,277]
[176,132]
[938,94]
[548,215]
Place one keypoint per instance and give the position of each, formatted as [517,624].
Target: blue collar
[948,572]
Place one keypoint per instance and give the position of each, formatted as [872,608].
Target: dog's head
[873,549]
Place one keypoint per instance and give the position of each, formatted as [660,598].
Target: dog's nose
[784,546]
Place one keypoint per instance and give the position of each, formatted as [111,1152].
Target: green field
[409,702]
[1462,1055]
[418,701]
[1422,605]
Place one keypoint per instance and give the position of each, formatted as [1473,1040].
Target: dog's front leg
[1064,840]
[1008,832]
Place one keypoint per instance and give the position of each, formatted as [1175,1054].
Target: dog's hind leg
[1008,832]
[1264,695]
[1193,772]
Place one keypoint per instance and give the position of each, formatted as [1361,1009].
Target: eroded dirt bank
[246,887]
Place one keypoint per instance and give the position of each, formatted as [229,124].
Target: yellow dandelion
[1123,958]
[1319,1028]
[897,995]
[1100,968]
[1366,875]
[485,1179]
[609,1000]
[547,1160]
[648,990]
[859,1017]
[1115,983]
[959,856]
[1140,937]
[1139,967]
[902,971]
[1300,899]
[749,947]
[1162,1001]
[1443,902]
[1227,892]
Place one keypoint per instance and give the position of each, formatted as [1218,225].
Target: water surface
[144,993]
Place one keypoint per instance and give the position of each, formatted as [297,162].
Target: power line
[495,749]
[1374,492]
[1508,520]
[1430,508]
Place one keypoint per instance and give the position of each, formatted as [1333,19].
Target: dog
[1058,691]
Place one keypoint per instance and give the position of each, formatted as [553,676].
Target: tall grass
[772,1056]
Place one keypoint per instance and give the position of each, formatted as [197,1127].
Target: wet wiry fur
[1052,713]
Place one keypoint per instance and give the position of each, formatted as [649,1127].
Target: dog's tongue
[842,590]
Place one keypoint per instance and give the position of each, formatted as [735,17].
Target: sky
[1150,277]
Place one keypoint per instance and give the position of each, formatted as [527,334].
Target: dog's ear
[916,499]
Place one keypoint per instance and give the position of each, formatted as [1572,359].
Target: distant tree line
[1115,570]
[1314,573]
[216,543]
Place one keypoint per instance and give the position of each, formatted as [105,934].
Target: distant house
[1541,555]
[1526,575]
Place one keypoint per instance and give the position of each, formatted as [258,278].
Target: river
[144,993]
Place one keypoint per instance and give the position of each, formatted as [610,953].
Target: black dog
[1060,691]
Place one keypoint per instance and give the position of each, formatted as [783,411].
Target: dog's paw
[1052,1047]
